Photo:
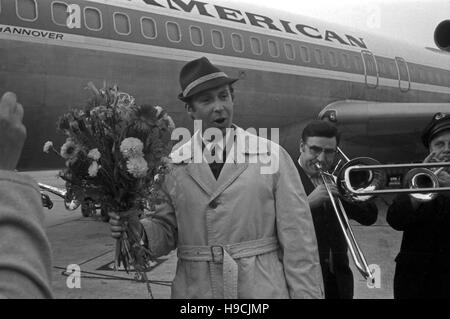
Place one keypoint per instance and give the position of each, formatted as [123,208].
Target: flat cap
[438,124]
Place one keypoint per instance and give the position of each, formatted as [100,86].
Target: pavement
[86,243]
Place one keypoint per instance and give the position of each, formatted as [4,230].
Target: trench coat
[207,219]
[25,252]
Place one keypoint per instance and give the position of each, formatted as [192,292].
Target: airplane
[292,68]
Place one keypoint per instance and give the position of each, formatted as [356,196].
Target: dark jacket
[423,264]
[339,283]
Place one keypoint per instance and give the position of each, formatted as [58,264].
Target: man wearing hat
[238,233]
[423,264]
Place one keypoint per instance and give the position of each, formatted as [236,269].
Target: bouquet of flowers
[116,153]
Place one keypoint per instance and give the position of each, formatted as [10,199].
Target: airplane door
[370,68]
[404,78]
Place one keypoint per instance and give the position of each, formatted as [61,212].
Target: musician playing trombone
[319,143]
[423,264]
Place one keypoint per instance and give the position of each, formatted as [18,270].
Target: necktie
[216,165]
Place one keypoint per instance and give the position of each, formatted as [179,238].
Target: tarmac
[86,243]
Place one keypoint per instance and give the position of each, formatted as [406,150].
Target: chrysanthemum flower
[170,122]
[94,154]
[137,167]
[159,109]
[131,147]
[74,126]
[100,111]
[125,100]
[47,146]
[69,150]
[93,169]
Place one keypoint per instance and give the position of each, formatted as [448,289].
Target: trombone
[355,251]
[360,179]
[420,182]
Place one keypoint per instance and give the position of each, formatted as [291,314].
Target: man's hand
[431,158]
[320,195]
[117,224]
[443,178]
[12,131]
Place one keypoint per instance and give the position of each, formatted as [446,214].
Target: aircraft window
[424,75]
[290,53]
[238,43]
[438,77]
[148,27]
[358,64]
[304,54]
[333,59]
[27,10]
[122,23]
[273,48]
[415,75]
[217,39]
[420,75]
[446,78]
[196,35]
[92,18]
[59,13]
[345,60]
[392,69]
[255,45]
[432,76]
[173,31]
[381,67]
[318,56]
[370,65]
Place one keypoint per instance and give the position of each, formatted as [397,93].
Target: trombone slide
[351,189]
[355,251]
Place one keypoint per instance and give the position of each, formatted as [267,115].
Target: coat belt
[226,255]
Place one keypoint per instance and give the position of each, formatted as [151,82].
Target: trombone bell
[364,180]
[421,178]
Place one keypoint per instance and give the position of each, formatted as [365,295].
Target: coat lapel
[201,172]
[238,158]
[191,154]
[230,172]
[202,175]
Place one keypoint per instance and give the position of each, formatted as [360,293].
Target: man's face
[214,107]
[317,149]
[440,145]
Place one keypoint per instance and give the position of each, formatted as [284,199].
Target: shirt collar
[301,165]
[219,142]
[243,141]
[315,179]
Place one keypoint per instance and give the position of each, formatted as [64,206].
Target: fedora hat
[200,75]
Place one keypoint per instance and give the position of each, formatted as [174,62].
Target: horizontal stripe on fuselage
[77,41]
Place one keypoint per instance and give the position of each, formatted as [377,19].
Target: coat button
[213,204]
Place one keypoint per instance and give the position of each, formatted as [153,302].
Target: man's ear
[190,111]
[302,146]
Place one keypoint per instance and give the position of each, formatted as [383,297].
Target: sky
[410,20]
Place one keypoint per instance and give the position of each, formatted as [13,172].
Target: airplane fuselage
[290,67]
